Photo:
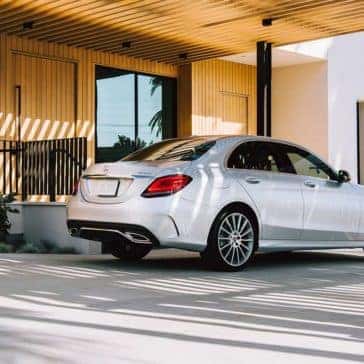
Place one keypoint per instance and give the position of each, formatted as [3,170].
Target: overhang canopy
[179,31]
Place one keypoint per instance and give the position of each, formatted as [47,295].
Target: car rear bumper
[108,232]
[173,221]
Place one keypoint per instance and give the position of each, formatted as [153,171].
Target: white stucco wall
[299,105]
[294,120]
[345,87]
[47,222]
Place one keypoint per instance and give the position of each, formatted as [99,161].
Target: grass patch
[5,248]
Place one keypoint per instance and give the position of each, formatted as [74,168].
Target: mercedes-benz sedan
[225,197]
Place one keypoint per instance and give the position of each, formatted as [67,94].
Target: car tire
[232,240]
[130,252]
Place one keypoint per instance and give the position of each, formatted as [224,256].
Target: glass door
[115,114]
[150,117]
[132,111]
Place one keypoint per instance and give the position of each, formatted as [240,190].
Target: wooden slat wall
[184,100]
[235,113]
[84,61]
[48,99]
[211,82]
[202,87]
[52,76]
[161,30]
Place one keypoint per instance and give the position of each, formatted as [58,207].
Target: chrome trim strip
[124,235]
[142,176]
[283,245]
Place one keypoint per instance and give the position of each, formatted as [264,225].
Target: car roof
[231,139]
[241,138]
[235,137]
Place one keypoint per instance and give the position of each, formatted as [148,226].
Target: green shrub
[29,247]
[45,247]
[5,200]
[5,248]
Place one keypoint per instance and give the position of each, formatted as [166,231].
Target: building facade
[320,103]
[120,103]
[90,81]
[54,92]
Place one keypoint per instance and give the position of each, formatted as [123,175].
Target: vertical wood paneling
[216,85]
[47,97]
[58,88]
[51,66]
[184,101]
[205,90]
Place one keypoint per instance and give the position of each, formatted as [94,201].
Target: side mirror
[343,176]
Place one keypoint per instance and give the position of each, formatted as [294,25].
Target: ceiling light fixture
[28,25]
[267,22]
[126,44]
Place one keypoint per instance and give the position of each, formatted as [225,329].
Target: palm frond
[155,122]
[155,82]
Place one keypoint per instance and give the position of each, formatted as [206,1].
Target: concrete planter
[38,221]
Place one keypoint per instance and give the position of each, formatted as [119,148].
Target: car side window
[254,155]
[306,164]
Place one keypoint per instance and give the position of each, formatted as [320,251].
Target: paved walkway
[286,308]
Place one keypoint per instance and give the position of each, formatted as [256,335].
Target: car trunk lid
[110,183]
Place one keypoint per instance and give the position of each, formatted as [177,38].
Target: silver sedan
[225,197]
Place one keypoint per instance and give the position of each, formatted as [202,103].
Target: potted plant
[5,208]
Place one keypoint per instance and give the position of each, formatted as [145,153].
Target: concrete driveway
[287,308]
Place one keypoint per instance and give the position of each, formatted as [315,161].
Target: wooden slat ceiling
[161,30]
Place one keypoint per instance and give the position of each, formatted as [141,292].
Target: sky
[115,108]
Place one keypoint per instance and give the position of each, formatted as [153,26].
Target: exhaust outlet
[137,238]
[73,231]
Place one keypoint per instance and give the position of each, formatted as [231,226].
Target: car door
[277,196]
[331,209]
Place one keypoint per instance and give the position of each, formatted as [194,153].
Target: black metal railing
[9,162]
[45,167]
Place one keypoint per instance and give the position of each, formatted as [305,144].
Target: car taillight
[167,185]
[75,188]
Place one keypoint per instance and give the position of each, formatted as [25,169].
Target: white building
[317,89]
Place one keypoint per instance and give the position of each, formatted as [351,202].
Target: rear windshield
[173,149]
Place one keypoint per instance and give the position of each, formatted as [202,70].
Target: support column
[264,95]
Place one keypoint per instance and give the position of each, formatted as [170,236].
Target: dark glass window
[132,111]
[306,164]
[188,149]
[254,155]
[276,157]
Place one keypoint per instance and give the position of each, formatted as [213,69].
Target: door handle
[310,184]
[253,180]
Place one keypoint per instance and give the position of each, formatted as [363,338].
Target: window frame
[278,143]
[238,145]
[136,107]
[332,175]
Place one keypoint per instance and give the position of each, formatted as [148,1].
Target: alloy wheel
[235,239]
